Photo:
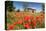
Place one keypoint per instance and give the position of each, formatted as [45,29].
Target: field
[25,20]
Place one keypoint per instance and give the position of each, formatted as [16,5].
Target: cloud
[32,7]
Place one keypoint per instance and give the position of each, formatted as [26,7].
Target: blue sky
[19,5]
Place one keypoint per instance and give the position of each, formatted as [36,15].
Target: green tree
[43,8]
[18,10]
[9,6]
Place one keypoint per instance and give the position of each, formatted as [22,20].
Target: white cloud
[32,7]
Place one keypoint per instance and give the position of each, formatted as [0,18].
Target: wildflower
[20,22]
[26,26]
[14,23]
[27,18]
[11,27]
[34,22]
[37,17]
[32,17]
[29,23]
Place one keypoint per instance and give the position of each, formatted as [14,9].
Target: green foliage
[9,6]
[21,26]
[38,25]
[8,21]
[43,25]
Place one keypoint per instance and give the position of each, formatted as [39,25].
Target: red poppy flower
[14,23]
[20,22]
[11,27]
[37,17]
[27,18]
[26,26]
[29,23]
[34,22]
[32,17]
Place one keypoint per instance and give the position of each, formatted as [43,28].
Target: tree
[43,8]
[18,10]
[9,6]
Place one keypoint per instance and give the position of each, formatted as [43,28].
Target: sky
[19,5]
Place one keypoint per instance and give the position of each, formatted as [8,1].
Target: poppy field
[24,15]
[25,20]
